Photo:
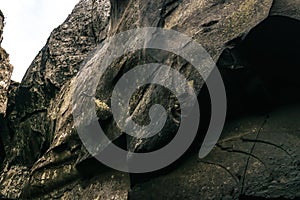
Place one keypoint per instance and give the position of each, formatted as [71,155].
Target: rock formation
[5,73]
[45,158]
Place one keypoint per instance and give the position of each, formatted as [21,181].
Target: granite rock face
[5,71]
[59,60]
[45,158]
[30,128]
[5,79]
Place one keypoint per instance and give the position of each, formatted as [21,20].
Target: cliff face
[5,71]
[44,157]
[30,127]
[55,64]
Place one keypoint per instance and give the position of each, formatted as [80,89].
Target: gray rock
[5,71]
[286,8]
[58,61]
[5,74]
[254,159]
[45,158]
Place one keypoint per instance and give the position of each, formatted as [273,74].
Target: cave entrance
[262,70]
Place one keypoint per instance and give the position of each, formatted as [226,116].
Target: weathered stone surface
[106,185]
[286,8]
[255,159]
[5,71]
[5,74]
[13,180]
[59,60]
[45,157]
[31,128]
[66,161]
[213,24]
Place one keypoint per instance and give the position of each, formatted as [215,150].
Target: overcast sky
[28,25]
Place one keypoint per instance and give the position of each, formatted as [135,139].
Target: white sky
[28,26]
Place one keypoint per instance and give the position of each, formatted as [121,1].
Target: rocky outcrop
[5,71]
[45,157]
[31,130]
[5,74]
[56,63]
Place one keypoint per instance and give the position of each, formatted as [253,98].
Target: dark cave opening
[262,71]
